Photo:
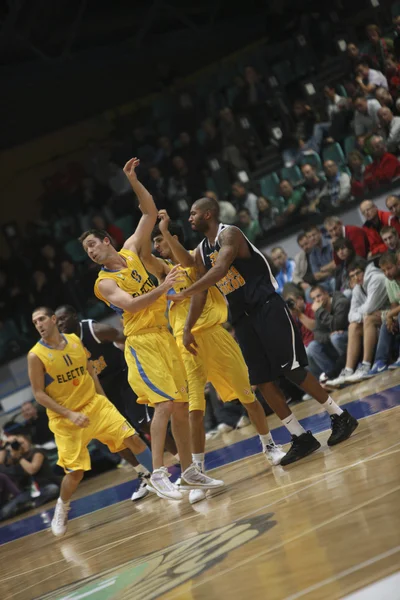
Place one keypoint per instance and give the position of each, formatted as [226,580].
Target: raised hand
[130,168]
[78,419]
[175,276]
[164,221]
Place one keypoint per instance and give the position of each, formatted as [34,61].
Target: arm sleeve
[300,268]
[313,263]
[394,137]
[355,315]
[359,240]
[376,296]
[345,187]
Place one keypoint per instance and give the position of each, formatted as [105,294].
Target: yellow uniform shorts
[155,369]
[220,361]
[106,425]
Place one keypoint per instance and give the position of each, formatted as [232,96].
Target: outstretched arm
[181,255]
[146,205]
[196,308]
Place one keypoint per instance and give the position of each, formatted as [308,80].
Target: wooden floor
[320,529]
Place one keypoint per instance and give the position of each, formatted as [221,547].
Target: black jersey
[249,281]
[107,359]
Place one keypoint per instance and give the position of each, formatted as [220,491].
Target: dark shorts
[120,393]
[270,342]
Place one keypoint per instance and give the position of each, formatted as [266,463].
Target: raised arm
[93,375]
[146,204]
[36,374]
[181,255]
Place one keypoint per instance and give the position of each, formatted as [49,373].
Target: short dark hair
[341,243]
[98,233]
[388,229]
[49,312]
[319,287]
[244,209]
[301,236]
[362,62]
[312,228]
[174,229]
[68,308]
[388,259]
[358,263]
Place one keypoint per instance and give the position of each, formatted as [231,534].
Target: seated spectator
[379,47]
[116,234]
[245,199]
[337,183]
[375,219]
[303,316]
[302,275]
[227,212]
[341,122]
[393,75]
[250,227]
[213,139]
[316,195]
[37,423]
[369,79]
[233,140]
[293,198]
[389,264]
[191,152]
[332,101]
[393,205]
[344,250]
[300,140]
[336,230]
[321,258]
[267,214]
[356,164]
[366,116]
[354,56]
[390,127]
[368,300]
[391,239]
[384,168]
[284,266]
[384,98]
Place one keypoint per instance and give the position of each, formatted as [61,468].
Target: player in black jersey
[104,345]
[269,339]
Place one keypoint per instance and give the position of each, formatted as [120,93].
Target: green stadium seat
[269,185]
[334,152]
[293,174]
[210,183]
[126,224]
[75,251]
[313,160]
[279,203]
[349,144]
[284,72]
[341,90]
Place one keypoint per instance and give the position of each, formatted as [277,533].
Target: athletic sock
[198,460]
[266,439]
[365,363]
[331,407]
[145,458]
[349,371]
[293,426]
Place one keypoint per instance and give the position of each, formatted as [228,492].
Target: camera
[15,445]
[291,303]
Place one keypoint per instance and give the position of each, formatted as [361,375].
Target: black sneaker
[342,427]
[302,445]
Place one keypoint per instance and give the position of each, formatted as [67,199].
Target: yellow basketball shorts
[106,425]
[219,360]
[155,368]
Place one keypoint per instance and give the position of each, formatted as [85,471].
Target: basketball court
[326,528]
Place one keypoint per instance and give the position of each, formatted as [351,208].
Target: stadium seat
[341,90]
[284,72]
[293,174]
[313,160]
[334,152]
[210,183]
[269,185]
[279,203]
[349,144]
[75,251]
[126,224]
[367,160]
[395,8]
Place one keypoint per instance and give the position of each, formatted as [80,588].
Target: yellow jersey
[135,280]
[66,378]
[215,310]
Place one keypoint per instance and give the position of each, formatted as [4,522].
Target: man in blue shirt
[321,258]
[284,265]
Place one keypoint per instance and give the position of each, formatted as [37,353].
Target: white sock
[293,426]
[366,363]
[266,439]
[331,407]
[198,460]
[349,371]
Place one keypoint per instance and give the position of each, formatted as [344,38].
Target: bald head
[368,210]
[385,115]
[208,204]
[204,212]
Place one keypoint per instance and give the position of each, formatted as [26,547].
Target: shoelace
[61,514]
[163,478]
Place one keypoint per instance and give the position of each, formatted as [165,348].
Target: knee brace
[297,376]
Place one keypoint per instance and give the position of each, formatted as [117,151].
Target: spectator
[375,219]
[369,79]
[293,198]
[191,152]
[390,127]
[116,234]
[184,186]
[391,239]
[212,138]
[75,289]
[252,100]
[267,214]
[285,267]
[316,195]
[391,320]
[245,199]
[338,184]
[37,422]
[227,211]
[303,275]
[341,123]
[393,205]
[344,250]
[44,292]
[304,318]
[384,168]
[356,164]
[384,98]
[379,47]
[368,300]
[336,230]
[393,76]
[355,56]
[233,140]
[50,261]
[164,156]
[158,187]
[300,140]
[250,227]
[321,258]
[332,101]
[366,116]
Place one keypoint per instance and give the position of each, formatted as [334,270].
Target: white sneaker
[340,379]
[192,478]
[210,435]
[224,428]
[323,378]
[59,523]
[362,372]
[142,490]
[160,484]
[307,397]
[243,422]
[196,496]
[274,454]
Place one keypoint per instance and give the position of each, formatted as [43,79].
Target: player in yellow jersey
[64,382]
[155,369]
[208,351]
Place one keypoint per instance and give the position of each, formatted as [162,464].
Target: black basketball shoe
[342,427]
[302,445]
